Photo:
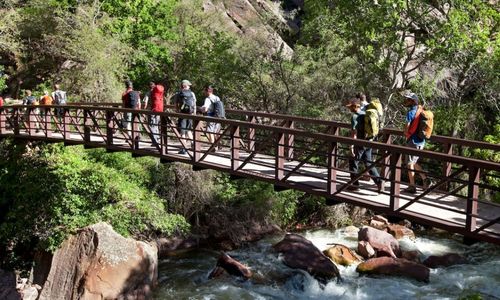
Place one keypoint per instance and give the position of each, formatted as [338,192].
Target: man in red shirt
[156,96]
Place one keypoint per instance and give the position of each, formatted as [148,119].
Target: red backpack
[157,98]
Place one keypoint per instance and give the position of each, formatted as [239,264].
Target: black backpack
[186,100]
[133,99]
[219,111]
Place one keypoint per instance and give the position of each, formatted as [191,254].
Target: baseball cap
[412,96]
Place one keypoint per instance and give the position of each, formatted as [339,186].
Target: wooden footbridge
[290,152]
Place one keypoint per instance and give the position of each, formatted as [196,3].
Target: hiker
[1,101]
[130,99]
[46,99]
[185,103]
[414,141]
[363,100]
[31,100]
[59,98]
[358,153]
[156,95]
[213,108]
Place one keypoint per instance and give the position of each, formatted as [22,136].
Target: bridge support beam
[279,188]
[280,156]
[331,184]
[472,197]
[395,177]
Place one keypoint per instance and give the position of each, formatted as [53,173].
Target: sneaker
[411,189]
[182,151]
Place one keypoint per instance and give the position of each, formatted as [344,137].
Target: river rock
[383,243]
[342,255]
[412,255]
[98,263]
[380,219]
[366,250]
[378,224]
[446,260]
[168,247]
[231,266]
[400,231]
[29,292]
[394,267]
[8,286]
[351,231]
[300,253]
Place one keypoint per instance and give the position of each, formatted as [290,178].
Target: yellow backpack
[373,115]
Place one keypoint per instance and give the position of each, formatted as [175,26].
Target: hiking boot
[427,183]
[352,188]
[182,151]
[380,186]
[411,189]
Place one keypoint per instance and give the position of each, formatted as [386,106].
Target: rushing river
[185,276]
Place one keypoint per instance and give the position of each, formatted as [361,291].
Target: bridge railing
[288,157]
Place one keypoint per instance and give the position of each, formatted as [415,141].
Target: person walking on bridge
[60,98]
[413,141]
[185,104]
[359,153]
[209,108]
[155,96]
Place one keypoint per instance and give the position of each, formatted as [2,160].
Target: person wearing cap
[185,103]
[209,108]
[413,141]
[359,153]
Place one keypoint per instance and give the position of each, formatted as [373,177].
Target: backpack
[186,99]
[425,124]
[373,115]
[219,111]
[60,97]
[133,99]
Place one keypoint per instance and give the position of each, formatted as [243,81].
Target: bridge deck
[290,158]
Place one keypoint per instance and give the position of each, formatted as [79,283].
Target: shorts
[213,127]
[185,125]
[413,159]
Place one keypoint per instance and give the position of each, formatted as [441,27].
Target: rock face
[300,253]
[8,286]
[383,243]
[394,267]
[250,18]
[231,266]
[342,255]
[446,260]
[98,263]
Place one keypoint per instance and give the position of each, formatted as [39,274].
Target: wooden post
[395,166]
[16,120]
[109,128]
[448,149]
[387,139]
[280,156]
[472,197]
[164,134]
[196,140]
[331,184]
[290,140]
[86,126]
[31,121]
[135,135]
[235,148]
[66,128]
[2,120]
[251,135]
[48,122]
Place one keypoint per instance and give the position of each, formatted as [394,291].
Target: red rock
[231,266]
[381,219]
[382,242]
[394,267]
[366,250]
[300,253]
[400,231]
[446,260]
[98,263]
[378,224]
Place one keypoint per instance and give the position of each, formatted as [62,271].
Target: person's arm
[354,123]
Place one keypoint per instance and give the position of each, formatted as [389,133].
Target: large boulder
[446,260]
[394,267]
[231,266]
[366,250]
[8,286]
[342,255]
[300,253]
[383,243]
[98,263]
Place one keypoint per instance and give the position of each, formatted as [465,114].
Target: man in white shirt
[209,108]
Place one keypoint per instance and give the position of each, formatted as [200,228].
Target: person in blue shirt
[413,141]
